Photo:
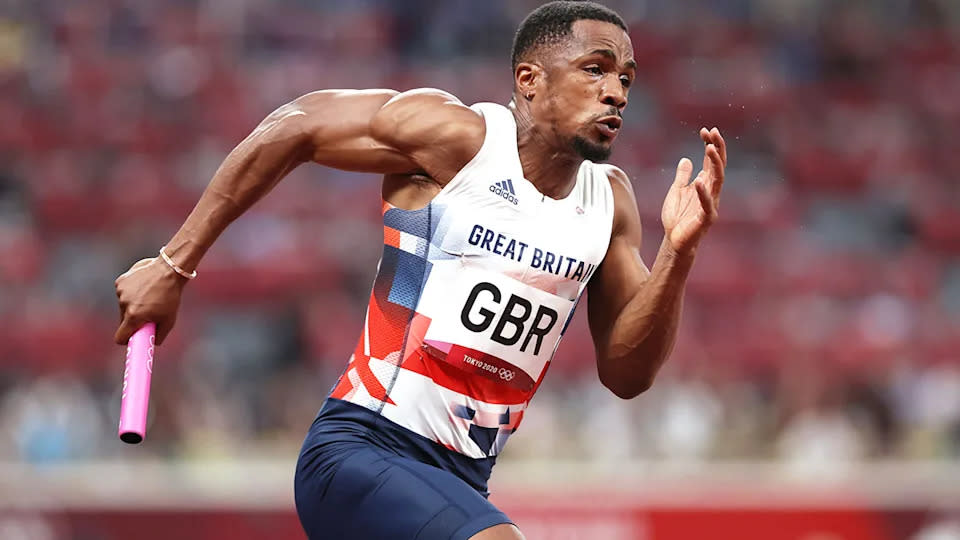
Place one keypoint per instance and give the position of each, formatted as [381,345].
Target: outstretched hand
[691,207]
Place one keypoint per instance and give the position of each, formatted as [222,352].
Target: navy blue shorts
[349,485]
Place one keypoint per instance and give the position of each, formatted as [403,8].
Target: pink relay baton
[136,384]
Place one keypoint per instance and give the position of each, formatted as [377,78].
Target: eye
[593,70]
[625,81]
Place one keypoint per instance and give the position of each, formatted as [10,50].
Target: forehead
[590,35]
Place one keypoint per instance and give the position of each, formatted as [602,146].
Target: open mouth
[609,125]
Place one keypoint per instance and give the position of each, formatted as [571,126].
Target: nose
[614,94]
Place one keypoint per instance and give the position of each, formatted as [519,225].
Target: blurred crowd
[822,318]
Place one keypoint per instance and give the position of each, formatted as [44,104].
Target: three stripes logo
[505,189]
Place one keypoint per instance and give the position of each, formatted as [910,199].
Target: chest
[508,226]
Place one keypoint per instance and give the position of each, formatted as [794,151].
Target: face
[580,88]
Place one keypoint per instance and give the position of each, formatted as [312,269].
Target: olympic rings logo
[150,352]
[506,374]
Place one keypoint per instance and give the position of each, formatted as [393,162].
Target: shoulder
[426,116]
[426,96]
[617,178]
[626,218]
[402,117]
[433,128]
[620,185]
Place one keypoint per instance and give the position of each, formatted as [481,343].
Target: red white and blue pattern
[472,296]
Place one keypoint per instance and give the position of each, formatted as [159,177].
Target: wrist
[677,259]
[186,253]
[173,266]
[169,275]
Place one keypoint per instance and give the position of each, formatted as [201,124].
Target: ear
[528,77]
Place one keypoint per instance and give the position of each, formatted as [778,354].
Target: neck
[552,171]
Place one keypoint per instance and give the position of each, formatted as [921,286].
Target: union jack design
[460,330]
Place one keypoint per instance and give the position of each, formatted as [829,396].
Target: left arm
[634,312]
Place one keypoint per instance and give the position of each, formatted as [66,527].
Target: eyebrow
[608,53]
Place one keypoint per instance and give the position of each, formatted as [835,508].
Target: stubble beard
[589,150]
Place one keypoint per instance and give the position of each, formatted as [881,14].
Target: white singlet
[472,296]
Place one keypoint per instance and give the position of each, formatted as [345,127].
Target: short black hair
[553,22]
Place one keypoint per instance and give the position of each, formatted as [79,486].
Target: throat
[553,174]
[553,171]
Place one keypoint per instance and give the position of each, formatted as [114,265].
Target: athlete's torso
[473,294]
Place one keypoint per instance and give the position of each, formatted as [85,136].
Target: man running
[495,221]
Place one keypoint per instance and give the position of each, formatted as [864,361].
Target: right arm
[378,131]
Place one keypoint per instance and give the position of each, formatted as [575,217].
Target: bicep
[438,132]
[389,132]
[622,272]
[338,128]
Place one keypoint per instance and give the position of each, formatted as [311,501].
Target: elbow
[288,125]
[296,126]
[628,387]
[631,391]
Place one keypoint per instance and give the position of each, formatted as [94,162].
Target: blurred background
[814,392]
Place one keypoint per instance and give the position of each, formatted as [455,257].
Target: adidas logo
[505,189]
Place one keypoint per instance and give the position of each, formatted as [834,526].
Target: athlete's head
[572,64]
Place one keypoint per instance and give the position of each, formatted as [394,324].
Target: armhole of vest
[599,192]
[605,190]
[494,123]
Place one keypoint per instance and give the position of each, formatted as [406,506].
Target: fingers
[707,138]
[131,323]
[684,170]
[128,326]
[707,202]
[715,169]
[712,136]
[714,160]
[721,145]
[145,297]
[163,329]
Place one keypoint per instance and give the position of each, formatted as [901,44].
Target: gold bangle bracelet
[177,269]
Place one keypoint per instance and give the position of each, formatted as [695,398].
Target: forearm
[642,335]
[248,173]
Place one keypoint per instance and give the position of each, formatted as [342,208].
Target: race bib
[491,324]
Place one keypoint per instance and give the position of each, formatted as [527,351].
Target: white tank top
[472,295]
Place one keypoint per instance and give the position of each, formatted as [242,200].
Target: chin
[590,150]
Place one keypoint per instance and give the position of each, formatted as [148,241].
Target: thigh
[366,493]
